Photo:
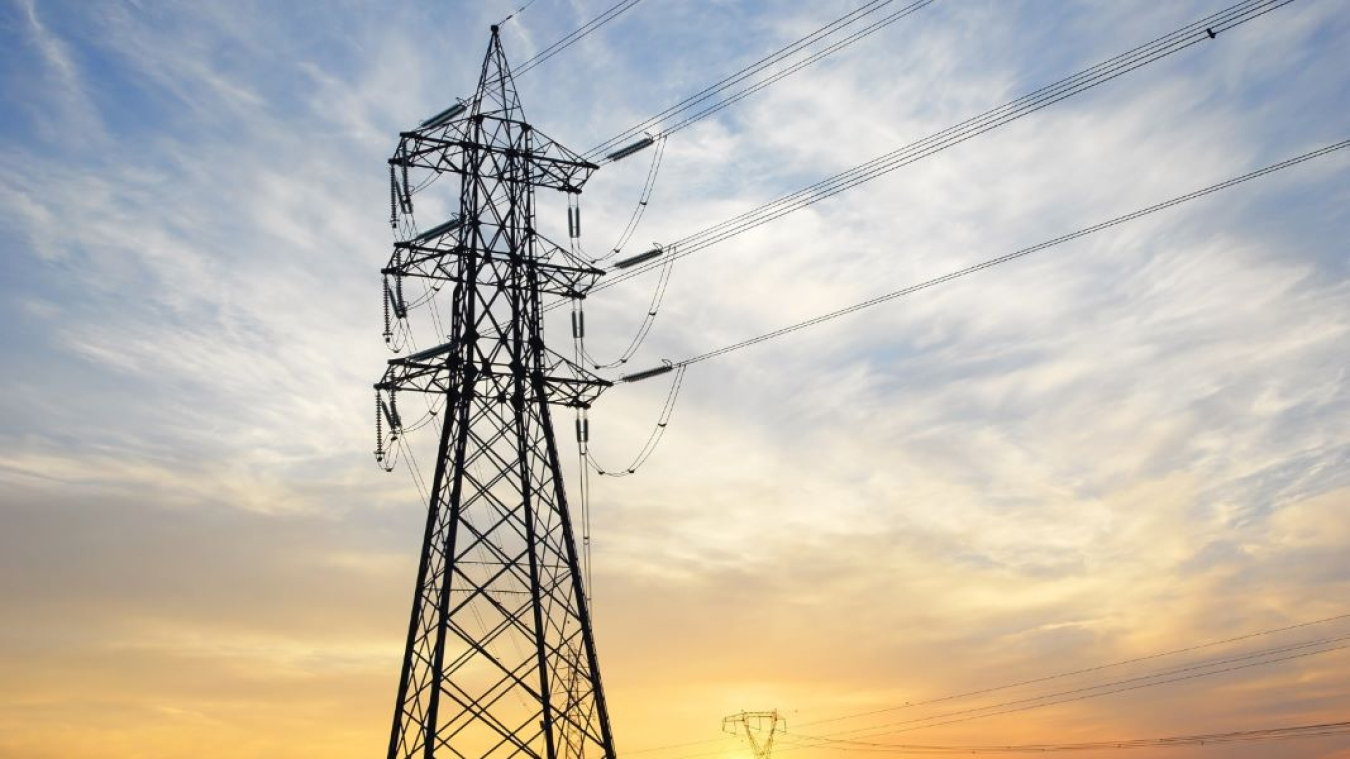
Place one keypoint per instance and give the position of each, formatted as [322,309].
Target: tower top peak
[496,93]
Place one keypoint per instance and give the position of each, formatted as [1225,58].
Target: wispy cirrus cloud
[1110,449]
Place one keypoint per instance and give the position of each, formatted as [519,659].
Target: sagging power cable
[794,68]
[1178,674]
[1069,699]
[1082,671]
[576,35]
[1262,735]
[746,72]
[644,328]
[677,365]
[1296,160]
[653,439]
[644,198]
[1041,679]
[1203,30]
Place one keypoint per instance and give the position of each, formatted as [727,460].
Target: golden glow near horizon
[1132,444]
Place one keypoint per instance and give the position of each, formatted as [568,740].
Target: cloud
[64,88]
[1113,448]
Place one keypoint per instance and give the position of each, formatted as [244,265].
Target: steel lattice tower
[760,729]
[500,657]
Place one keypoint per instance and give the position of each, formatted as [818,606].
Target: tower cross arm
[445,149]
[559,273]
[434,370]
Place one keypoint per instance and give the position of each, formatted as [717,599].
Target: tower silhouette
[500,658]
[760,729]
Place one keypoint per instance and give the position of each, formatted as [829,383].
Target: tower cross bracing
[500,658]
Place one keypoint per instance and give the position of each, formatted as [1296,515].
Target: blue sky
[1123,445]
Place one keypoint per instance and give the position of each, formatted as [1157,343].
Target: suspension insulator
[406,197]
[395,296]
[574,222]
[388,333]
[393,199]
[379,429]
[578,324]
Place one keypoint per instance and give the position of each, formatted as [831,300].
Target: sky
[1123,446]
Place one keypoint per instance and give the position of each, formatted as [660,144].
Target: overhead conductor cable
[658,430]
[645,328]
[644,198]
[1180,39]
[1044,678]
[606,16]
[1020,253]
[762,64]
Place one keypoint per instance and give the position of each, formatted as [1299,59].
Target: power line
[1196,32]
[1199,31]
[640,209]
[763,63]
[1262,735]
[741,74]
[1082,697]
[1015,255]
[987,264]
[653,438]
[1164,677]
[517,11]
[1084,671]
[577,34]
[1033,681]
[864,32]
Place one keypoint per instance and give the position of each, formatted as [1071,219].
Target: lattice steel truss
[500,657]
[760,729]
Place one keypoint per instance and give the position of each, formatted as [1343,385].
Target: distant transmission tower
[760,729]
[500,657]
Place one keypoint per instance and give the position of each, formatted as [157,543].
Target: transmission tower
[500,658]
[760,729]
